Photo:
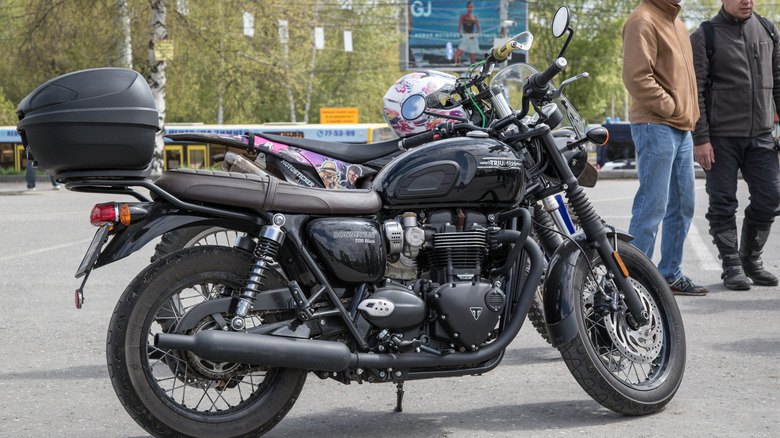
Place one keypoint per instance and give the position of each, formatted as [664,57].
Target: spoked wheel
[630,371]
[194,236]
[176,393]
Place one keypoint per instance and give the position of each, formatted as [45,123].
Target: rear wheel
[630,371]
[176,393]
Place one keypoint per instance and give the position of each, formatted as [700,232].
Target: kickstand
[399,397]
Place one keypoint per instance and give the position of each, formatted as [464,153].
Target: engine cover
[467,312]
[393,307]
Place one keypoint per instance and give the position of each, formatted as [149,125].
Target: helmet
[407,118]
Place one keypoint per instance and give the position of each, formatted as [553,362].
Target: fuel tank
[463,172]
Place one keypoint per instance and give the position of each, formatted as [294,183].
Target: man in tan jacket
[658,73]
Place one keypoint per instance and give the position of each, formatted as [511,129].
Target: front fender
[161,219]
[559,287]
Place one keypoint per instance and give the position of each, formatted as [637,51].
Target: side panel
[351,249]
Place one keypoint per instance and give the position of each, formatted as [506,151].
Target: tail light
[113,213]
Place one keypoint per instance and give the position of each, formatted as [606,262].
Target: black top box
[93,120]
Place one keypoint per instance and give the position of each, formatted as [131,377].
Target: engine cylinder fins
[466,249]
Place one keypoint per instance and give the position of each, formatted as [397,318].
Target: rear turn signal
[112,213]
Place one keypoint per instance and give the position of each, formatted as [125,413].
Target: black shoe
[684,286]
[734,278]
[760,276]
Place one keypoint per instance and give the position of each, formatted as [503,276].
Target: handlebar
[539,81]
[501,53]
[440,131]
[419,139]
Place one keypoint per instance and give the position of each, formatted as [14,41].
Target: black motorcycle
[429,274]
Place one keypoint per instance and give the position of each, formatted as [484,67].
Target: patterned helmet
[423,83]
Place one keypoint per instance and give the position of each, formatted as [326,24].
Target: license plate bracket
[101,236]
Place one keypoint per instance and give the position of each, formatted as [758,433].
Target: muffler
[274,351]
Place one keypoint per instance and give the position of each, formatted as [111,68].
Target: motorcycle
[428,274]
[313,163]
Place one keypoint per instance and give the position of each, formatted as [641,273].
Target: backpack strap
[709,37]
[768,26]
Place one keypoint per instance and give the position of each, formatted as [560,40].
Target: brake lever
[557,93]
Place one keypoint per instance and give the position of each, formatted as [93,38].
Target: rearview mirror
[561,21]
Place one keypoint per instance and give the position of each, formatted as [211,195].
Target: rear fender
[161,219]
[559,287]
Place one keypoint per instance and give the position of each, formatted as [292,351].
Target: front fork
[597,234]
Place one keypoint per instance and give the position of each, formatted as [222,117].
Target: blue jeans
[666,193]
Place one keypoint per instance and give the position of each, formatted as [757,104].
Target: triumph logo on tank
[475,312]
[500,163]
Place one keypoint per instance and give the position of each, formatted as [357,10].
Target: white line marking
[47,249]
[707,260]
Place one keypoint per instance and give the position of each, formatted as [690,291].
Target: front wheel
[630,371]
[176,393]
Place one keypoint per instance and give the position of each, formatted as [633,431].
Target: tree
[596,48]
[43,39]
[157,79]
[214,61]
[7,110]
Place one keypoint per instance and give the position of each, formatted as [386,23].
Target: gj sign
[443,34]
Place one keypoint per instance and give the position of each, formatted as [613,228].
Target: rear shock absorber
[270,240]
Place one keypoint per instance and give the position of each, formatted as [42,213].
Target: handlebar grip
[501,53]
[540,80]
[417,140]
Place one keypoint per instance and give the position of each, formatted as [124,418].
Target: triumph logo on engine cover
[500,163]
[475,312]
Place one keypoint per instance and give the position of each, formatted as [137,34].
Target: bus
[198,156]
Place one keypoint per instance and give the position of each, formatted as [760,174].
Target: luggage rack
[122,183]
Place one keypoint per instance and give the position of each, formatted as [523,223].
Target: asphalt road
[53,378]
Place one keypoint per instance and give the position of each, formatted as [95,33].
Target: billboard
[450,35]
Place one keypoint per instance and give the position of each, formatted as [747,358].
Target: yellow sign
[163,50]
[338,115]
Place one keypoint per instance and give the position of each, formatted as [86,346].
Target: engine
[435,290]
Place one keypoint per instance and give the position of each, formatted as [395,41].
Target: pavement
[54,381]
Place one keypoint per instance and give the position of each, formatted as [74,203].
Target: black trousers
[757,158]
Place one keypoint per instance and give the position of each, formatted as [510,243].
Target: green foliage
[7,110]
[253,77]
[258,79]
[597,48]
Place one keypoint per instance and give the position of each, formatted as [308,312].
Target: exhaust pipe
[309,354]
[274,351]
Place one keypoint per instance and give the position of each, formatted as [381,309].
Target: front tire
[632,372]
[175,393]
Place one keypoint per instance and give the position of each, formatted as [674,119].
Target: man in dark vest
[737,60]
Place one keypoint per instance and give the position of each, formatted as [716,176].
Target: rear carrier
[91,123]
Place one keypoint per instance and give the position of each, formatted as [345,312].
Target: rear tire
[175,393]
[632,372]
